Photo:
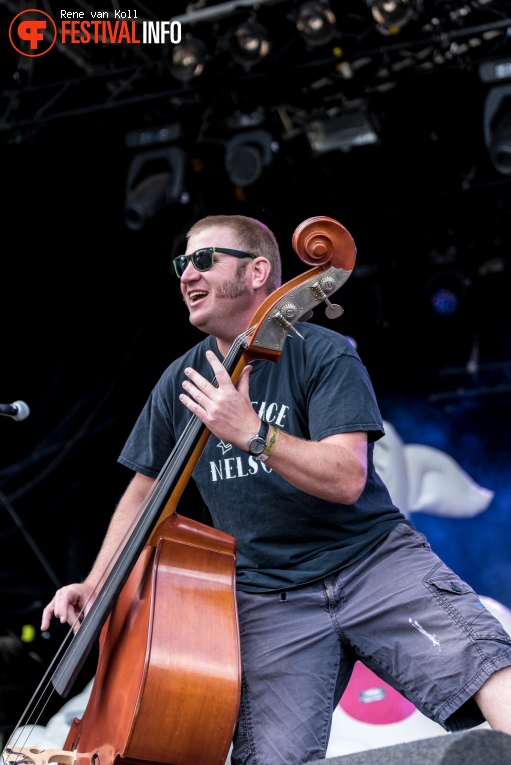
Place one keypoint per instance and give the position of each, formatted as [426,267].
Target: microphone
[18,410]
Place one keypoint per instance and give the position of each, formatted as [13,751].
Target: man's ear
[260,272]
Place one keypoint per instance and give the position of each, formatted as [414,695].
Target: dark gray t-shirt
[284,536]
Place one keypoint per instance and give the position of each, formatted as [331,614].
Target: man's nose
[190,273]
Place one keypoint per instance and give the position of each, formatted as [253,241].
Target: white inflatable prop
[422,479]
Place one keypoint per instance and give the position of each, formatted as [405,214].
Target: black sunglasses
[203,259]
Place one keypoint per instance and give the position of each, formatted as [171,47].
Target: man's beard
[235,288]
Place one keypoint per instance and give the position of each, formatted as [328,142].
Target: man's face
[218,299]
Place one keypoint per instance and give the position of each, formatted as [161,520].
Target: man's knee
[494,700]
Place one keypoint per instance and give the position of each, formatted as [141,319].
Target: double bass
[167,685]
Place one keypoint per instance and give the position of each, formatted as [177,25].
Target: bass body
[167,686]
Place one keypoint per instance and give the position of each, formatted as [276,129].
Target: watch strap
[263,430]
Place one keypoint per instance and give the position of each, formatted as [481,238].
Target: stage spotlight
[497,127]
[316,23]
[349,128]
[444,301]
[188,59]
[392,15]
[446,291]
[154,183]
[246,156]
[249,44]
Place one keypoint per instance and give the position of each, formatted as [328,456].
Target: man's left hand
[225,410]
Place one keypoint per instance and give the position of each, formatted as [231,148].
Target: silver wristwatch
[257,444]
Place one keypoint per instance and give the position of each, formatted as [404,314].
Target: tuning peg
[332,310]
[320,290]
[288,309]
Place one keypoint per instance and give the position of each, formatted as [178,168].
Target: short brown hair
[252,236]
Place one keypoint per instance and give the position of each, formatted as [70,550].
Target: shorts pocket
[459,600]
[451,584]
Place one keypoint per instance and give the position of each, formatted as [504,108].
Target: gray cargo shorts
[400,610]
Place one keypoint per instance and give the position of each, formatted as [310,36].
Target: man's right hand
[69,604]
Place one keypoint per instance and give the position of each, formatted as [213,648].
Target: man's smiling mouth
[196,295]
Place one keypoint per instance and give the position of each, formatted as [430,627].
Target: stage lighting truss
[188,59]
[392,15]
[250,43]
[83,79]
[316,23]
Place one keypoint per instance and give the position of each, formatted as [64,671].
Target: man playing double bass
[328,569]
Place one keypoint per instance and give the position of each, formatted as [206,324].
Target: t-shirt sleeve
[151,441]
[341,400]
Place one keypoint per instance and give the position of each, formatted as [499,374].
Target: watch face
[256,445]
